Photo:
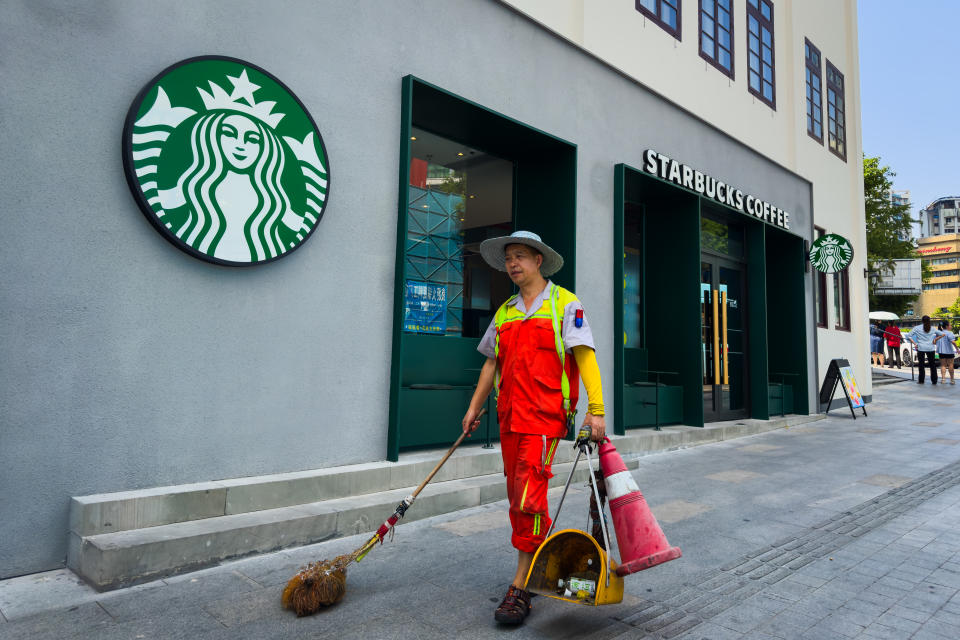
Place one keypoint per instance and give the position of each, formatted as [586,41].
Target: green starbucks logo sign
[831,253]
[225,161]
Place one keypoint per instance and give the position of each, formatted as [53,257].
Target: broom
[323,583]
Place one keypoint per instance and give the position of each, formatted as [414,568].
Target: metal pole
[596,495]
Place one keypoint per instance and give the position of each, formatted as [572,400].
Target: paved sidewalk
[840,529]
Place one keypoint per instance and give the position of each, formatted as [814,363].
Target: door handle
[726,345]
[716,342]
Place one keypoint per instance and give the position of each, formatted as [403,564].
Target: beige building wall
[616,32]
[945,247]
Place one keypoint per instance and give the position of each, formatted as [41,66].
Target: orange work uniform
[536,392]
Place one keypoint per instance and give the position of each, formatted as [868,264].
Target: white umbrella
[883,315]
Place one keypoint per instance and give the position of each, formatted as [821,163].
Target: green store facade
[710,294]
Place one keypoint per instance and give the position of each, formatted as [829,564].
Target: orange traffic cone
[642,543]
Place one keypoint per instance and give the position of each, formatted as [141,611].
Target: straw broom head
[317,585]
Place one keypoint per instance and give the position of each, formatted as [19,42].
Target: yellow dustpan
[566,553]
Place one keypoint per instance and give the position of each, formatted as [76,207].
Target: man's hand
[471,420]
[597,425]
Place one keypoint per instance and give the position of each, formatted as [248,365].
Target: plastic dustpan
[566,553]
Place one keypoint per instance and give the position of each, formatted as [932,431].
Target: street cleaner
[528,346]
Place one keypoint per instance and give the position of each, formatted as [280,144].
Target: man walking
[923,336]
[537,347]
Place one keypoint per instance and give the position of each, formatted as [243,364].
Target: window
[841,299]
[760,50]
[458,197]
[665,13]
[820,291]
[716,34]
[836,122]
[814,92]
[941,285]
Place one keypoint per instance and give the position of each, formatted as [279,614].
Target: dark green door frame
[775,283]
[545,177]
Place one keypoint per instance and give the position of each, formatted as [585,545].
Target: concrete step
[124,538]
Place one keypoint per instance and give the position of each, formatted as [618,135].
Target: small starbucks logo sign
[225,161]
[831,253]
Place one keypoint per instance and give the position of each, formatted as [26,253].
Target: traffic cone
[641,541]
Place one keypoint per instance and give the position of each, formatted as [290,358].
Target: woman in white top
[946,350]
[923,337]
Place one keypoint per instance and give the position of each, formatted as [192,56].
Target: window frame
[842,278]
[655,17]
[817,71]
[713,60]
[842,93]
[820,290]
[755,12]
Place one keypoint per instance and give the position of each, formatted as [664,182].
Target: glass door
[723,339]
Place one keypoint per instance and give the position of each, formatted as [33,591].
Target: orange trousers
[526,463]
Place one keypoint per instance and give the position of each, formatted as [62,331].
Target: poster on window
[425,308]
[850,384]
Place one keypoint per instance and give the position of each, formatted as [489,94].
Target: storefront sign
[425,308]
[924,251]
[681,175]
[225,161]
[831,253]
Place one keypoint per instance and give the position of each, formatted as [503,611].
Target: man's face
[522,263]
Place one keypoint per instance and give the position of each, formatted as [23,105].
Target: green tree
[888,230]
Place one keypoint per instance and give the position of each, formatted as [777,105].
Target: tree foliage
[888,225]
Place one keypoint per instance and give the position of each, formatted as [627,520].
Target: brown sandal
[514,608]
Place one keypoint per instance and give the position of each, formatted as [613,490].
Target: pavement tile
[678,510]
[882,632]
[735,476]
[710,631]
[897,622]
[88,617]
[833,626]
[940,628]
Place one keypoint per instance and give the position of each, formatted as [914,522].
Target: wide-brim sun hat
[492,250]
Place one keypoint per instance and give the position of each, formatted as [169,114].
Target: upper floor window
[760,63]
[814,92]
[665,13]
[716,34]
[836,122]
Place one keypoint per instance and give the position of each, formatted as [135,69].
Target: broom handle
[444,459]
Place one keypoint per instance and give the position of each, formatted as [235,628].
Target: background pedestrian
[923,336]
[946,349]
[893,338]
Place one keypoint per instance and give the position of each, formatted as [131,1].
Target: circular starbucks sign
[225,161]
[831,253]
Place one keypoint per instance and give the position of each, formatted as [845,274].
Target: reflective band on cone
[620,484]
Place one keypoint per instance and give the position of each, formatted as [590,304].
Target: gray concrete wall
[129,364]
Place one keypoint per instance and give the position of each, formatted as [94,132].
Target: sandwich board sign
[840,373]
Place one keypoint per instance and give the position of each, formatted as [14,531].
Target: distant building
[940,217]
[903,278]
[942,253]
[900,198]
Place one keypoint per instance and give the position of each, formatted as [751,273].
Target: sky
[910,93]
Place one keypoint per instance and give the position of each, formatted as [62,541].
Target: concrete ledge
[129,537]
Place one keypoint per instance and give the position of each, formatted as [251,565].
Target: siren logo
[831,253]
[225,161]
